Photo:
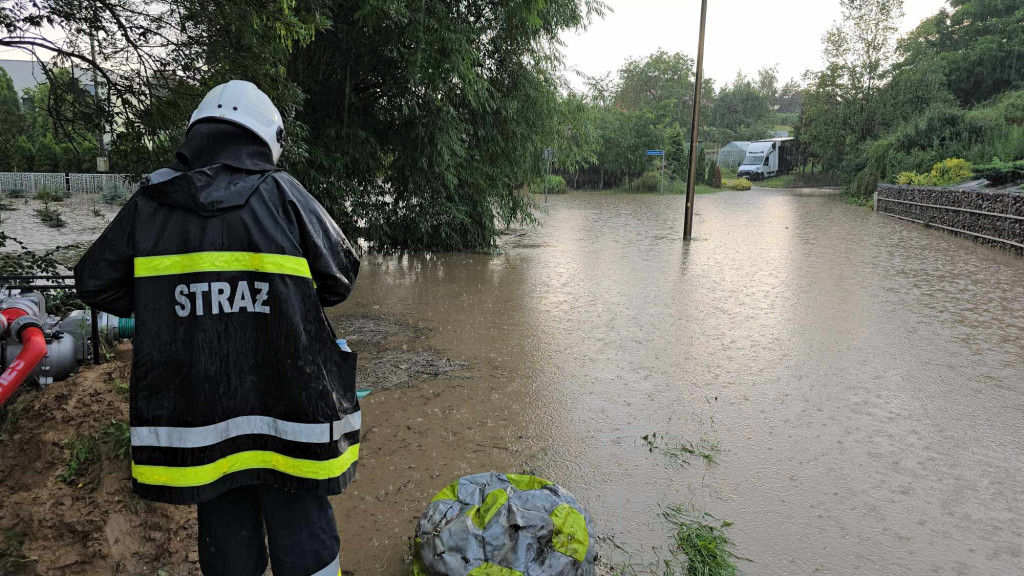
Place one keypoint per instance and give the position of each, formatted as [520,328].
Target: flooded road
[862,377]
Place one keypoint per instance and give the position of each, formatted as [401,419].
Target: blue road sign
[655,152]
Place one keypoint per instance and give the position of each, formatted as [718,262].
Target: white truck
[768,158]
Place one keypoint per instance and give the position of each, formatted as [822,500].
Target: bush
[555,185]
[112,195]
[1001,173]
[16,193]
[951,171]
[946,173]
[51,195]
[50,217]
[740,184]
[649,182]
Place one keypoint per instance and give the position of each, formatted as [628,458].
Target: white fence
[31,183]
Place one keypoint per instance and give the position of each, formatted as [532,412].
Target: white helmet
[243,103]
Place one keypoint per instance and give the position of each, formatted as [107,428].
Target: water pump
[38,347]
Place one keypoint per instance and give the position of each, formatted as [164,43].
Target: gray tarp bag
[504,525]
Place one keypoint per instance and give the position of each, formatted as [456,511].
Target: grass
[82,452]
[704,541]
[116,438]
[700,547]
[674,189]
[707,448]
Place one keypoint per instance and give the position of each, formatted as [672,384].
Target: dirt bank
[65,476]
[56,520]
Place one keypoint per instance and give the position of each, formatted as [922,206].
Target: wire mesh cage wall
[32,182]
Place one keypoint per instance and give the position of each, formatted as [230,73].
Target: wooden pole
[691,178]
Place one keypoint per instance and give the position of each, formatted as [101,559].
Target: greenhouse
[732,154]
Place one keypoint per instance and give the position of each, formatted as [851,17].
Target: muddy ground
[59,520]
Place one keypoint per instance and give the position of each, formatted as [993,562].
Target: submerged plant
[703,539]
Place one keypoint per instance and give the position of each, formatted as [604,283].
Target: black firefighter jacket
[236,376]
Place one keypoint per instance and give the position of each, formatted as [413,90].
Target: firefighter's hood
[208,191]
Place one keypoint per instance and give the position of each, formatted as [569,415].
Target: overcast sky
[741,34]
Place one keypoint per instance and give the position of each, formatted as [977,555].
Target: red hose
[33,351]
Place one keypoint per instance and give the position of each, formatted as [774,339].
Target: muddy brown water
[863,377]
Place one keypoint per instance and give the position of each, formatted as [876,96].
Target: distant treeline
[647,105]
[952,88]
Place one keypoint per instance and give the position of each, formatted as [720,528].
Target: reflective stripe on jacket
[236,376]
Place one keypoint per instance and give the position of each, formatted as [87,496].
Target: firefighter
[241,401]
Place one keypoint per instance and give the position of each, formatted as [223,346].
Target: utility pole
[662,184]
[691,178]
[102,163]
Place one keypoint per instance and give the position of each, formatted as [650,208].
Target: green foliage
[951,171]
[740,184]
[946,173]
[113,195]
[24,155]
[649,182]
[1001,173]
[48,156]
[555,184]
[704,540]
[116,438]
[51,217]
[977,46]
[10,119]
[411,146]
[914,116]
[742,110]
[51,195]
[82,453]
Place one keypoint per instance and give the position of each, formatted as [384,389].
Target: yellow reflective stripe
[488,569]
[149,266]
[570,535]
[450,492]
[483,513]
[524,482]
[190,476]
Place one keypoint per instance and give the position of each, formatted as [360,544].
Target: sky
[742,35]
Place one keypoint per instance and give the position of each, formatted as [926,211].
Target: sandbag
[504,525]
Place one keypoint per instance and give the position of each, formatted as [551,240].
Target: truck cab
[761,161]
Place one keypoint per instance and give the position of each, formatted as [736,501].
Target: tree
[47,156]
[742,111]
[791,97]
[661,83]
[840,106]
[24,155]
[425,119]
[10,119]
[978,47]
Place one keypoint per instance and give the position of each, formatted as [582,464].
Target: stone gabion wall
[974,213]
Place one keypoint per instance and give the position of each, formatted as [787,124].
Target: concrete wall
[990,217]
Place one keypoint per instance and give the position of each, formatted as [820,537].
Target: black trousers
[236,527]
